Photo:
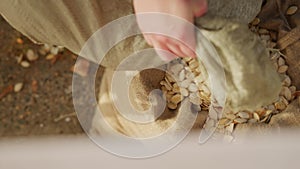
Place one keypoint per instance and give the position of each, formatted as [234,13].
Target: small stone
[41,125]
[193,87]
[283,69]
[281,61]
[18,87]
[50,56]
[292,10]
[25,64]
[240,120]
[31,55]
[243,115]
[299,100]
[255,22]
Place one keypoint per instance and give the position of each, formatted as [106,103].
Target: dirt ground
[44,104]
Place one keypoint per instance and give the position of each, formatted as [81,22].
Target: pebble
[292,10]
[18,87]
[31,55]
[243,115]
[283,69]
[25,64]
[299,100]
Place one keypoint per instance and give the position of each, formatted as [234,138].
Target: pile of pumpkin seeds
[186,78]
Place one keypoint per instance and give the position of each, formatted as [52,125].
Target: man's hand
[185,9]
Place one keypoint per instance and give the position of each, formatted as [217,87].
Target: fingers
[173,46]
[200,7]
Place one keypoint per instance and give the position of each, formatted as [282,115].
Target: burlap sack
[70,23]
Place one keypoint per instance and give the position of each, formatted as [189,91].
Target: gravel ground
[44,103]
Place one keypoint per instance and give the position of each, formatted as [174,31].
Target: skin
[184,9]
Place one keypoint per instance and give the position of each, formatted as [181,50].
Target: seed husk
[193,87]
[176,99]
[256,21]
[31,55]
[230,128]
[283,69]
[280,106]
[18,87]
[176,68]
[243,115]
[25,64]
[256,116]
[172,106]
[240,120]
[292,10]
[287,81]
[230,116]
[281,61]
